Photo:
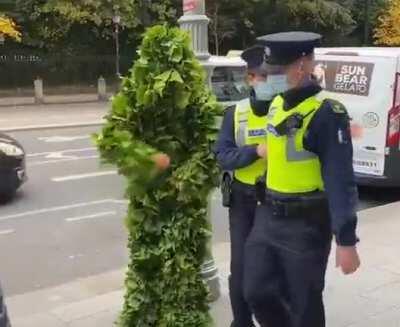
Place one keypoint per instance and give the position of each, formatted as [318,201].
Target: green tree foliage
[364,19]
[55,23]
[319,15]
[164,106]
[238,22]
[83,25]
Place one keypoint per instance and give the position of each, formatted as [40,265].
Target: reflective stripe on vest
[241,119]
[293,154]
[249,129]
[291,168]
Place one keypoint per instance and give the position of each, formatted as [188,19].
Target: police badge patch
[257,132]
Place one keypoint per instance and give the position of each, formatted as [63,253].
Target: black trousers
[285,266]
[241,220]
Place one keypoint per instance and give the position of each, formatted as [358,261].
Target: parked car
[228,79]
[228,83]
[12,167]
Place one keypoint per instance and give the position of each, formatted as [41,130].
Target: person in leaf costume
[159,134]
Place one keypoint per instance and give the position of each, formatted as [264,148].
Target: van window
[229,83]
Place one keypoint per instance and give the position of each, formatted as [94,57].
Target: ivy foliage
[164,107]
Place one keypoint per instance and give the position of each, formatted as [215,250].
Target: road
[67,221]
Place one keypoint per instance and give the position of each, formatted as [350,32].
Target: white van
[228,79]
[367,82]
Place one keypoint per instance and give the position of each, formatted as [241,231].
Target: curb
[51,126]
[12,105]
[30,101]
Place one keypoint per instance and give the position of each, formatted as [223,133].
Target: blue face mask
[279,83]
[268,89]
[263,91]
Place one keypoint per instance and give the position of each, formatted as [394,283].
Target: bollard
[38,86]
[102,89]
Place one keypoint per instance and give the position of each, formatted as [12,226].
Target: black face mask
[259,108]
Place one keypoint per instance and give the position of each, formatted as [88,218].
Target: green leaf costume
[164,106]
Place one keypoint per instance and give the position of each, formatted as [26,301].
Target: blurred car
[228,80]
[12,167]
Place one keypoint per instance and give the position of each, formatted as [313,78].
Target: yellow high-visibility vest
[249,129]
[291,168]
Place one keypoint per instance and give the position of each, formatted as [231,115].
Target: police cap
[254,57]
[285,48]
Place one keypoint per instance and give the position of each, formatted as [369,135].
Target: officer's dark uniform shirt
[329,137]
[328,134]
[228,154]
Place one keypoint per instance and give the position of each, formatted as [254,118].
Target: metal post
[38,87]
[117,21]
[196,22]
[102,89]
[117,49]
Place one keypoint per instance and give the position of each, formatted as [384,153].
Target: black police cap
[285,48]
[254,56]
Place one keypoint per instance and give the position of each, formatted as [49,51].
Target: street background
[64,241]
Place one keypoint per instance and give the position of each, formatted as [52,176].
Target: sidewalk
[49,99]
[52,116]
[371,298]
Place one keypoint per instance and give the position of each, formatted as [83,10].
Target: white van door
[365,86]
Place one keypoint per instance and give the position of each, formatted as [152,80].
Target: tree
[238,22]
[8,28]
[164,107]
[53,23]
[319,15]
[387,31]
[365,14]
[222,26]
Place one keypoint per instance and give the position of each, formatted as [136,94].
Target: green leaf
[182,97]
[161,82]
[120,105]
[176,54]
[176,77]
[148,97]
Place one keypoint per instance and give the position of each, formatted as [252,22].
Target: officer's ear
[299,69]
[294,72]
[307,64]
[251,77]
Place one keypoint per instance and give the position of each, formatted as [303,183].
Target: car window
[229,83]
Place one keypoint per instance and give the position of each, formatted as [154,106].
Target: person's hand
[162,161]
[262,151]
[356,131]
[347,259]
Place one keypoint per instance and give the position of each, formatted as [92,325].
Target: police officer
[311,194]
[241,148]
